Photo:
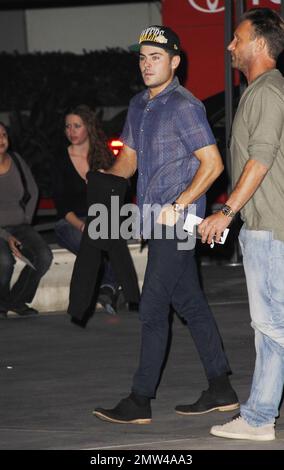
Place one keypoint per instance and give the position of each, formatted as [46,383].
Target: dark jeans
[70,238]
[38,252]
[171,278]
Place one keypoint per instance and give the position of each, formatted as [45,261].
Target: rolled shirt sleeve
[265,119]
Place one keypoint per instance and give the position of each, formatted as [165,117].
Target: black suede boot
[135,409]
[220,396]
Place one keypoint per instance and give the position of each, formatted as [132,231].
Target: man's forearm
[204,178]
[250,179]
[214,225]
[124,166]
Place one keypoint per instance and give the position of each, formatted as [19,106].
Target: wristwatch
[228,211]
[179,208]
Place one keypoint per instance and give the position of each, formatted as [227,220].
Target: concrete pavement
[53,374]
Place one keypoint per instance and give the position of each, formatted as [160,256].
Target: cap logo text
[153,35]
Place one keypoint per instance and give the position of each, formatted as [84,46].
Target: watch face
[177,207]
[226,210]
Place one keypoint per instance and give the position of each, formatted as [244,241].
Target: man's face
[243,46]
[157,67]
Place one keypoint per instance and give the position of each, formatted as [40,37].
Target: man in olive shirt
[257,149]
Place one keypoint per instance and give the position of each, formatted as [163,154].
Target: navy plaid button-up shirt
[165,131]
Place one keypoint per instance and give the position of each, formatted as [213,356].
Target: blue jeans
[263,259]
[39,253]
[171,278]
[70,237]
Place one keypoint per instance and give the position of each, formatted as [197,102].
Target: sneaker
[127,411]
[106,299]
[209,401]
[238,428]
[25,311]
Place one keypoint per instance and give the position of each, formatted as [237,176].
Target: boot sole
[113,420]
[216,408]
[267,437]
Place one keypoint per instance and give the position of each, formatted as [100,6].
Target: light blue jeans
[263,259]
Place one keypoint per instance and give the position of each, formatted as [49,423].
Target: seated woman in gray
[18,239]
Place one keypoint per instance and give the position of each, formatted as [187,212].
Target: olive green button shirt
[258,134]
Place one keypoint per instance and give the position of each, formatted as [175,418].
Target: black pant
[38,252]
[70,238]
[85,275]
[101,189]
[171,278]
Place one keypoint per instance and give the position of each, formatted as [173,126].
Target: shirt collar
[164,95]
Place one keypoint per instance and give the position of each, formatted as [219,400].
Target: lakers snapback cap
[159,36]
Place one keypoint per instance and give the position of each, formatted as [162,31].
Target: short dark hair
[269,25]
[172,53]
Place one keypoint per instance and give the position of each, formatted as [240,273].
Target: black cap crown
[160,36]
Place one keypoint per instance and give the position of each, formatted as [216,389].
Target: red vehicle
[200,26]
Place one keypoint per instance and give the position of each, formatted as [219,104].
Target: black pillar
[228,83]
[229,110]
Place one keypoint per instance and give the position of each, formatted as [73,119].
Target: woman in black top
[87,145]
